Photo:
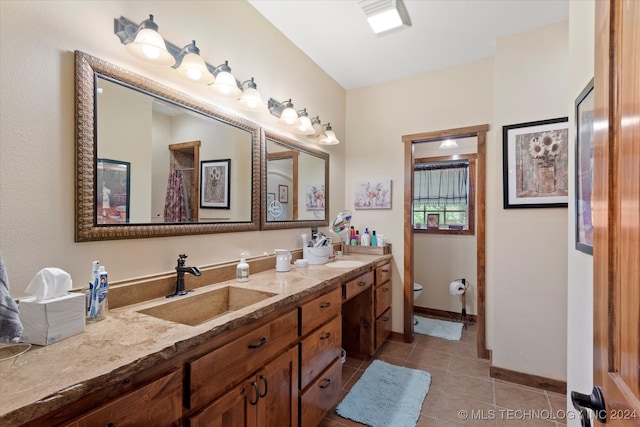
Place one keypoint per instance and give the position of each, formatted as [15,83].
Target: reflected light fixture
[149,45]
[192,67]
[329,137]
[285,111]
[385,15]
[448,144]
[225,83]
[251,98]
[304,125]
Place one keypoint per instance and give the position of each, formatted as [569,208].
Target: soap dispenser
[242,270]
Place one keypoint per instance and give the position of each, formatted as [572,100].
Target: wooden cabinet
[267,398]
[158,403]
[382,304]
[320,378]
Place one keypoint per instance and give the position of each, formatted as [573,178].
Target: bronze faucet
[181,269]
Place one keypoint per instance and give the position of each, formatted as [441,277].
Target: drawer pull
[326,383]
[385,319]
[385,289]
[325,304]
[109,425]
[255,387]
[362,284]
[385,270]
[260,343]
[266,385]
[326,336]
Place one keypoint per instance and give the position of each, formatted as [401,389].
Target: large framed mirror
[151,161]
[295,190]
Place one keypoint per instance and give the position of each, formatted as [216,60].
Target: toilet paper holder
[459,287]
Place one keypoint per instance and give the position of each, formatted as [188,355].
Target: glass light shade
[252,100]
[193,68]
[304,126]
[329,138]
[448,144]
[149,46]
[289,116]
[225,84]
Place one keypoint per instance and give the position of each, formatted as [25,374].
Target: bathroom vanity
[273,362]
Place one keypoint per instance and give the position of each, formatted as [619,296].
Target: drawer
[357,285]
[214,372]
[319,349]
[318,311]
[158,403]
[322,395]
[383,298]
[383,273]
[383,328]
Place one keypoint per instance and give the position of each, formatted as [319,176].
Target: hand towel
[10,325]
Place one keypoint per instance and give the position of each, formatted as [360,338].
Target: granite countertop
[47,378]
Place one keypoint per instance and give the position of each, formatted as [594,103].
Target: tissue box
[49,321]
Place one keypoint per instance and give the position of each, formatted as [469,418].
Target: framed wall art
[535,164]
[283,193]
[584,169]
[215,185]
[372,194]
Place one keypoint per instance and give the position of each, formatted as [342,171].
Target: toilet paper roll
[456,288]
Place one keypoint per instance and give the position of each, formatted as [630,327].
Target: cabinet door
[278,391]
[236,408]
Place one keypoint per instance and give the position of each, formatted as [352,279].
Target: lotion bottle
[374,239]
[366,238]
[242,270]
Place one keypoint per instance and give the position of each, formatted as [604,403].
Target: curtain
[441,184]
[175,205]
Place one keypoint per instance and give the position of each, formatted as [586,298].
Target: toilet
[417,290]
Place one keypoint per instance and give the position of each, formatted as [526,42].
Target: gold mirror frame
[293,146]
[86,154]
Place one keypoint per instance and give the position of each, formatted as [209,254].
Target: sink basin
[201,307]
[344,263]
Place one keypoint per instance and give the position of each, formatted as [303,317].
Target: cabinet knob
[326,383]
[260,343]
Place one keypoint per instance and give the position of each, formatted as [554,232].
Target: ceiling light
[149,45]
[225,83]
[329,136]
[448,144]
[251,98]
[385,15]
[192,67]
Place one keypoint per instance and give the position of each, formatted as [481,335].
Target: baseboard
[529,380]
[443,314]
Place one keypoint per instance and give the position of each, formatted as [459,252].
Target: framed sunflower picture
[535,164]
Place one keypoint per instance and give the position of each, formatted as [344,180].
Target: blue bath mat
[438,328]
[386,396]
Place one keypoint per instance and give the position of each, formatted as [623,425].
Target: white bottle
[242,270]
[366,238]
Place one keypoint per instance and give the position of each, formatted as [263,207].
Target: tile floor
[459,381]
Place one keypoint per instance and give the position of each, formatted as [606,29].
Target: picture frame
[372,194]
[215,184]
[535,164]
[433,221]
[315,197]
[283,193]
[113,180]
[584,106]
[271,197]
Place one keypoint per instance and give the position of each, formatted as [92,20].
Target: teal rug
[438,328]
[386,396]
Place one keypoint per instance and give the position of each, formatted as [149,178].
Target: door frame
[479,132]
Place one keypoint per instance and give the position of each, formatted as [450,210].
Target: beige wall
[580,278]
[37,40]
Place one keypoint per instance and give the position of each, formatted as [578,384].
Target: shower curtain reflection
[176,206]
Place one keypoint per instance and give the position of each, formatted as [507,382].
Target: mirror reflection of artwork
[315,198]
[373,195]
[215,185]
[113,192]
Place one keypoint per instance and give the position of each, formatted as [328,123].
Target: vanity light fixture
[225,83]
[251,98]
[285,111]
[317,127]
[448,144]
[385,15]
[192,67]
[145,42]
[304,126]
[329,137]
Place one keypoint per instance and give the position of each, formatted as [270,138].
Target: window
[444,187]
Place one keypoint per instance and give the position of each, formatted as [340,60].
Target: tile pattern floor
[460,382]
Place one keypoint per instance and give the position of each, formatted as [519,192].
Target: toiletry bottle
[352,237]
[366,238]
[97,305]
[242,270]
[374,238]
[92,285]
[357,237]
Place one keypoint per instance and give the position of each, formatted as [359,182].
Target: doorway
[479,132]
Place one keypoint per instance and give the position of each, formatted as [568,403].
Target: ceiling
[336,36]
